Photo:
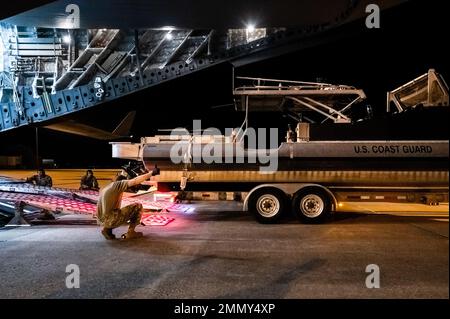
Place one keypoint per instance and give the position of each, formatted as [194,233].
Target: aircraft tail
[72,127]
[124,127]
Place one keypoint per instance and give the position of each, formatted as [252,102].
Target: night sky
[411,40]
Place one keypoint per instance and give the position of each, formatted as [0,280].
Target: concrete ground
[217,251]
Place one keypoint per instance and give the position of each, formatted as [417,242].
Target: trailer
[402,157]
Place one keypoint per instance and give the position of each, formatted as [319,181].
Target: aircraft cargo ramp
[49,73]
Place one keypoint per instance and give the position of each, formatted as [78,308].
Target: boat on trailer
[396,148]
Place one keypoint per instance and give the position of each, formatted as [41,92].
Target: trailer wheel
[267,205]
[312,205]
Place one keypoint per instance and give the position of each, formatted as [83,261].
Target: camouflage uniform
[41,180]
[109,213]
[89,182]
[128,215]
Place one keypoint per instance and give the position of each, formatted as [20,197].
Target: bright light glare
[66,39]
[250,28]
[169,36]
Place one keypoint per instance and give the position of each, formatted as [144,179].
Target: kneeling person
[109,212]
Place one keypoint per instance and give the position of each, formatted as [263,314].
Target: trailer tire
[312,205]
[267,205]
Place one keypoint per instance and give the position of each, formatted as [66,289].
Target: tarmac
[215,250]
